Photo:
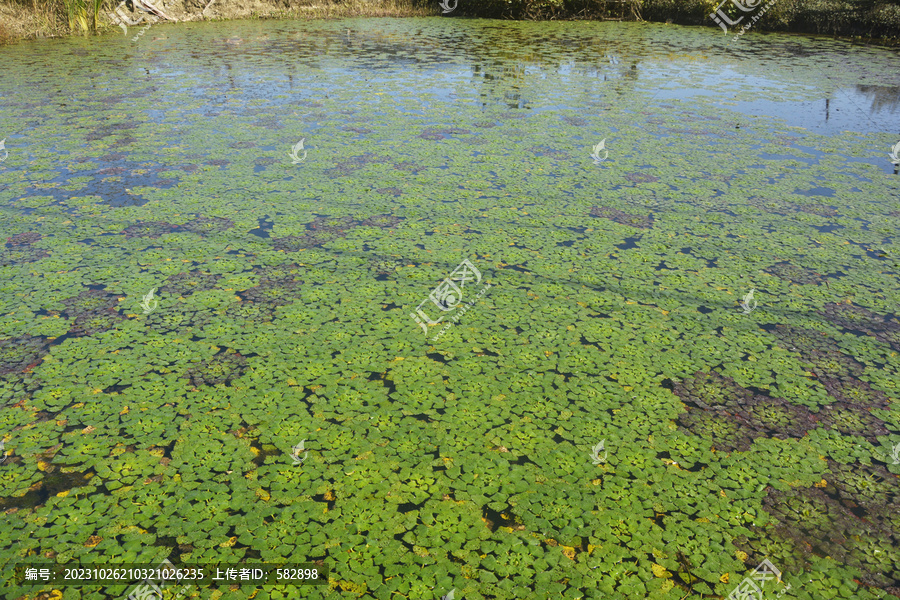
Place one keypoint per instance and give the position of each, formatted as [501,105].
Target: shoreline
[21,21]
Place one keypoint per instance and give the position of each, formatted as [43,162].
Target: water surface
[184,303]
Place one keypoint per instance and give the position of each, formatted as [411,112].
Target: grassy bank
[877,20]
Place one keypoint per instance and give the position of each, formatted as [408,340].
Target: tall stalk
[97,7]
[76,11]
[84,14]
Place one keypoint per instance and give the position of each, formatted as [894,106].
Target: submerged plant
[855,391]
[804,341]
[832,363]
[96,322]
[791,272]
[151,229]
[23,239]
[18,354]
[183,284]
[622,218]
[383,221]
[724,432]
[222,368]
[712,391]
[276,292]
[89,302]
[778,417]
[18,255]
[208,225]
[851,419]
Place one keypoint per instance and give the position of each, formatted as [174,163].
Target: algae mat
[453,308]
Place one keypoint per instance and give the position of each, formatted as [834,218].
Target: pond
[451,308]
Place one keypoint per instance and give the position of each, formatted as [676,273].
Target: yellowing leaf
[659,570]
